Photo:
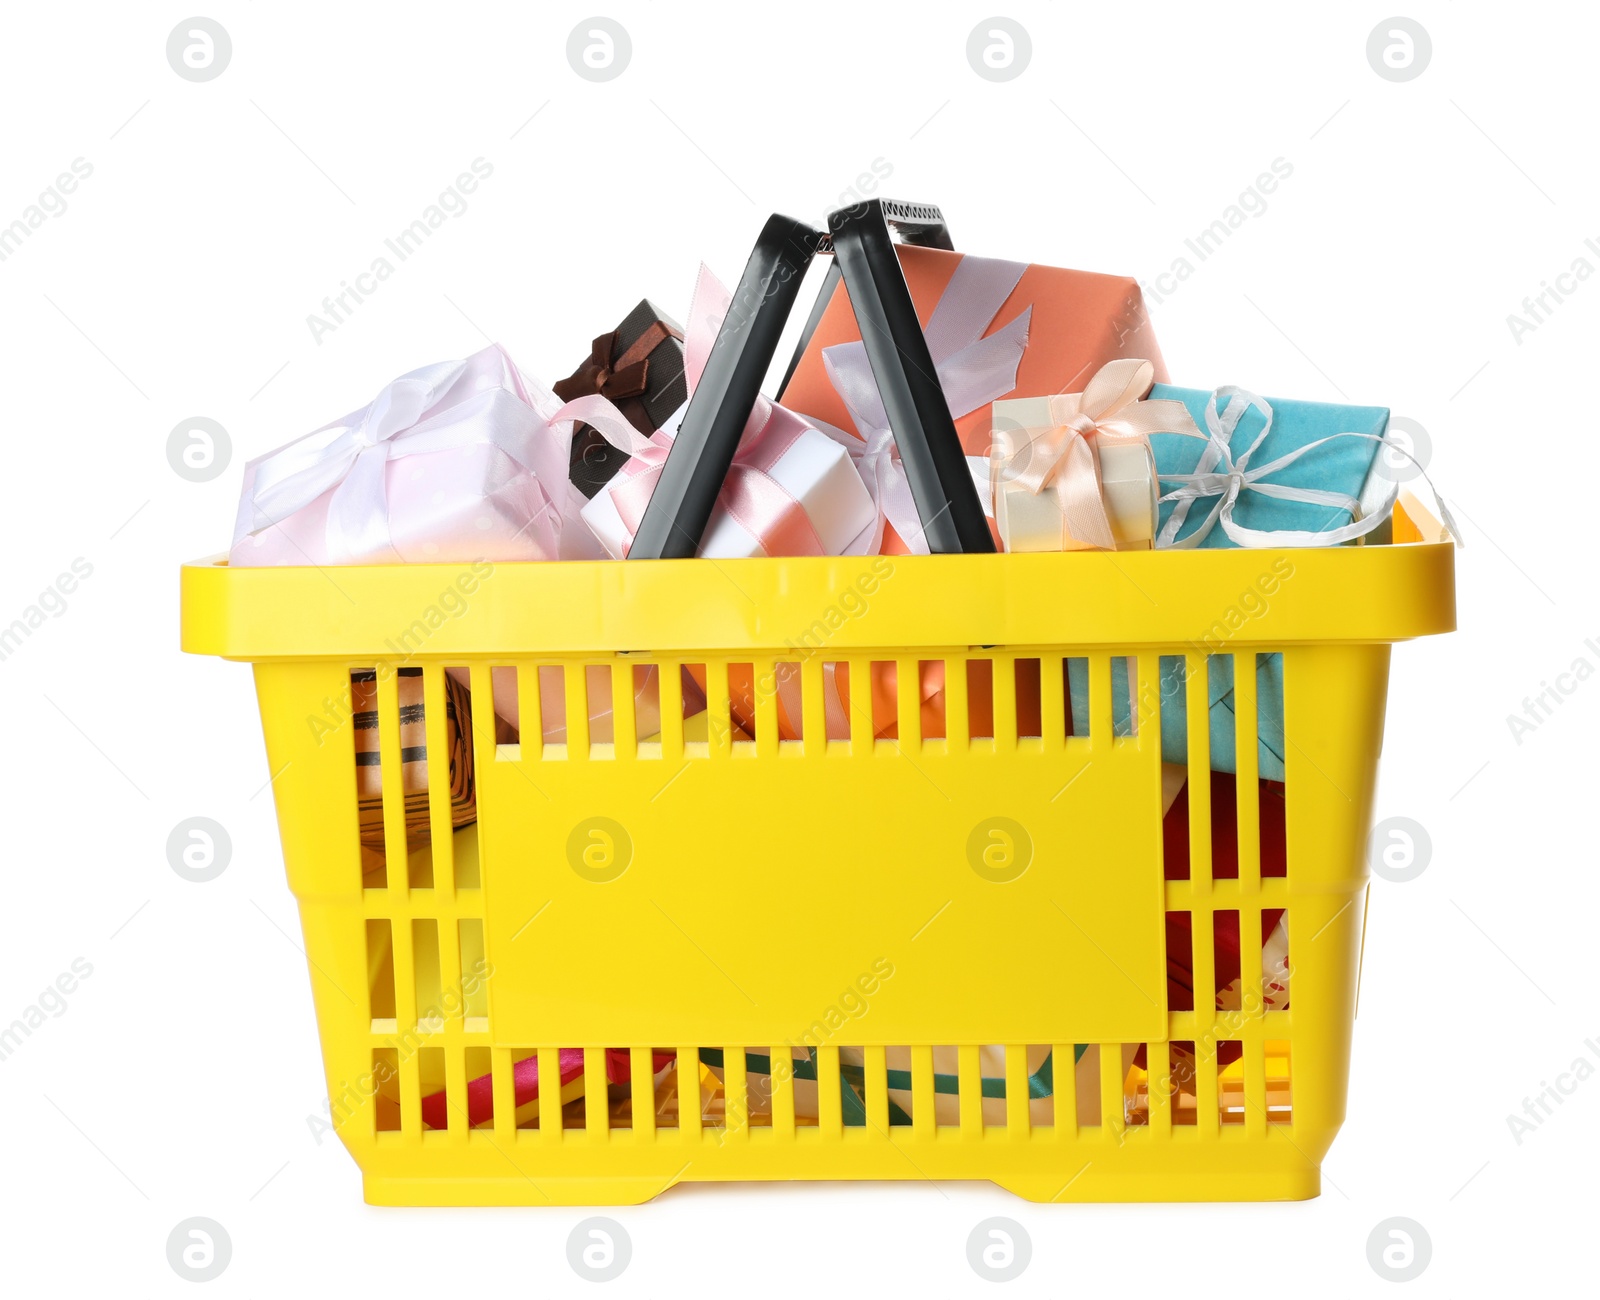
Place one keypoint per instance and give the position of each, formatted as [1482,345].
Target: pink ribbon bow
[1060,457]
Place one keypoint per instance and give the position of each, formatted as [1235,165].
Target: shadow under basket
[944,925]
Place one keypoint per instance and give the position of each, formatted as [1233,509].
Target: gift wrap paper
[413,756]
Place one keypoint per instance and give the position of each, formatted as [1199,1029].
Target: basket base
[1255,1185]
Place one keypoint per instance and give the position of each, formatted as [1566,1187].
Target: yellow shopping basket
[741,956]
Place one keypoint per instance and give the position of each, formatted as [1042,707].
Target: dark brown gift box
[639,368]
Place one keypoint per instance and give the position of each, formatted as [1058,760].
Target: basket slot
[1113,1079]
[430,1070]
[386,1108]
[814,681]
[1181,1066]
[546,1116]
[1198,715]
[931,710]
[924,1113]
[769,678]
[980,702]
[1246,724]
[1100,701]
[405,976]
[1028,691]
[525,683]
[735,1094]
[472,963]
[393,779]
[780,1081]
[1160,1090]
[688,1076]
[624,729]
[1064,1090]
[719,736]
[427,967]
[1055,718]
[748,684]
[969,1085]
[436,727]
[641,1093]
[577,703]
[861,706]
[957,705]
[1206,1112]
[1144,698]
[1004,676]
[380,973]
[1255,1088]
[596,1102]
[503,1095]
[875,1089]
[1018,1097]
[830,1108]
[457,1073]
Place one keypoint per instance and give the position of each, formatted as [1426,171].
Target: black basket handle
[930,449]
[859,237]
[703,450]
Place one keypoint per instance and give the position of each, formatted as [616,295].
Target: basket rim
[1199,601]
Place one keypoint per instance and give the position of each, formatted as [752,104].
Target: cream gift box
[1035,521]
[1074,471]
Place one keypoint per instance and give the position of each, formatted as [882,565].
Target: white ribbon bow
[972,370]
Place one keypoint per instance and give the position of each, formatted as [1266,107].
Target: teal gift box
[1338,465]
[1218,685]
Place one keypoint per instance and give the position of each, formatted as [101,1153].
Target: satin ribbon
[452,404]
[611,376]
[973,370]
[756,501]
[1220,475]
[1060,457]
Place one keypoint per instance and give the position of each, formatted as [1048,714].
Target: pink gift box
[454,462]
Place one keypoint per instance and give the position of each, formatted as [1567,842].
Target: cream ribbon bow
[1060,457]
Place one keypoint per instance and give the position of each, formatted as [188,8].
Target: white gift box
[815,470]
[1029,521]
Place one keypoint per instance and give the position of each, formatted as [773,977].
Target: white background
[218,216]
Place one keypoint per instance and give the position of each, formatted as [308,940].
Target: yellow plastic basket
[867,958]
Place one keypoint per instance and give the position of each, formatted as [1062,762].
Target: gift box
[793,488]
[454,462]
[1074,471]
[1300,469]
[413,756]
[638,367]
[1170,697]
[995,329]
